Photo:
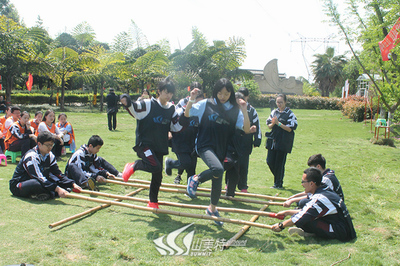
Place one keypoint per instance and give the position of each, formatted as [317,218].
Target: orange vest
[71,134]
[10,138]
[2,128]
[34,125]
[52,129]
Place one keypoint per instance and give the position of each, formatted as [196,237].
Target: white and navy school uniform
[154,121]
[218,123]
[325,215]
[36,174]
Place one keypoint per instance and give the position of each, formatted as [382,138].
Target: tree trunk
[9,83]
[62,94]
[102,96]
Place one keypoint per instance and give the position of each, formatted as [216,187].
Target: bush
[354,108]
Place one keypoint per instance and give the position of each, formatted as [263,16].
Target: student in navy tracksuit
[325,215]
[37,174]
[155,118]
[183,142]
[219,117]
[329,180]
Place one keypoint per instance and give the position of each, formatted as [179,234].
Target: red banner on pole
[29,83]
[0,84]
[390,41]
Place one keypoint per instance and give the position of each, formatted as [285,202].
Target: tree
[368,30]
[8,10]
[210,63]
[64,63]
[17,51]
[327,69]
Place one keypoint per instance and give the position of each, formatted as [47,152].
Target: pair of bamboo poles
[173,188]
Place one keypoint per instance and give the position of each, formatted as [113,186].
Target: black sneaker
[178,179]
[42,197]
[168,169]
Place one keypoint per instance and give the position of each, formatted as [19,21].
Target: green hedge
[299,102]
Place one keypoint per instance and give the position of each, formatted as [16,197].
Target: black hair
[24,113]
[15,108]
[239,95]
[38,112]
[316,159]
[196,84]
[224,83]
[313,174]
[61,115]
[244,91]
[145,90]
[45,136]
[166,84]
[46,114]
[95,140]
[283,96]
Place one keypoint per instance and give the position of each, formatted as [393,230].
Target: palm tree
[64,63]
[327,69]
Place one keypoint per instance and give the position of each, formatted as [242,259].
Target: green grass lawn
[369,175]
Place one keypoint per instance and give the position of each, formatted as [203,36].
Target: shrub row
[352,107]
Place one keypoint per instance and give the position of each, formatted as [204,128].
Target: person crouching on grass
[155,118]
[219,117]
[37,174]
[325,215]
[86,168]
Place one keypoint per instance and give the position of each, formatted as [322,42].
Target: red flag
[29,83]
[188,88]
[390,41]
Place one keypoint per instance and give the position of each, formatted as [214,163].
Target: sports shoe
[299,231]
[277,187]
[119,175]
[128,171]
[168,169]
[42,197]
[216,214]
[244,191]
[177,179]
[192,187]
[91,183]
[153,205]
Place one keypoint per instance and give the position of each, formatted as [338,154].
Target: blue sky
[270,28]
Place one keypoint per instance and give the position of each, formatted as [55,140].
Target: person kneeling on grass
[37,174]
[86,168]
[325,215]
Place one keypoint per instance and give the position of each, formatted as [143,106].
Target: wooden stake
[183,214]
[249,195]
[182,205]
[79,215]
[197,193]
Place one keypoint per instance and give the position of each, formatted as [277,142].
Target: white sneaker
[299,231]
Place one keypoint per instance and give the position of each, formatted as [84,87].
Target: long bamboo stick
[94,209]
[172,190]
[183,214]
[183,205]
[249,195]
[243,229]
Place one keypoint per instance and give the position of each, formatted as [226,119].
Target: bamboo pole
[94,209]
[243,229]
[182,205]
[183,214]
[172,190]
[249,195]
